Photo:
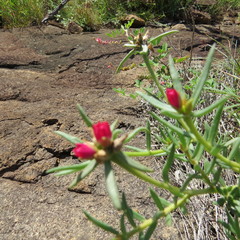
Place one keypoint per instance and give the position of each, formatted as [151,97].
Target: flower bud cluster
[102,145]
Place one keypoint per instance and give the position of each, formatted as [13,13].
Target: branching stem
[208,146]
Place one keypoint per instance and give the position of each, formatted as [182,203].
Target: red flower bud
[84,151]
[102,133]
[174,98]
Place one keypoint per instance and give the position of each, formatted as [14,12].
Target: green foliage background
[89,13]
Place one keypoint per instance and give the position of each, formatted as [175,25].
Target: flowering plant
[204,151]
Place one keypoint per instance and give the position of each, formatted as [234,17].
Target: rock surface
[44,73]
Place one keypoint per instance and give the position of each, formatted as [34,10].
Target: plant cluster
[209,154]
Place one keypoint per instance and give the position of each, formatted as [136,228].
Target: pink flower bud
[102,133]
[174,98]
[84,151]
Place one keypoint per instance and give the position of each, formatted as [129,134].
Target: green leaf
[203,77]
[69,137]
[150,230]
[136,149]
[65,172]
[167,166]
[122,225]
[233,224]
[235,152]
[162,133]
[128,24]
[156,40]
[228,230]
[188,180]
[160,139]
[183,141]
[170,125]
[128,211]
[199,150]
[115,133]
[215,123]
[134,133]
[123,160]
[232,141]
[112,185]
[84,116]
[87,170]
[209,165]
[175,77]
[161,203]
[113,125]
[217,176]
[210,108]
[138,216]
[166,108]
[132,52]
[148,136]
[181,59]
[75,167]
[101,224]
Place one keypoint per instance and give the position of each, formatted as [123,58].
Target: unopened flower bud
[84,151]
[174,98]
[102,133]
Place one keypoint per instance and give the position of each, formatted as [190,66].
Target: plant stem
[153,75]
[162,213]
[208,146]
[174,190]
[144,154]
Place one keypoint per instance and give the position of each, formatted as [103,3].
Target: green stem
[196,192]
[208,146]
[162,213]
[152,73]
[144,154]
[174,190]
